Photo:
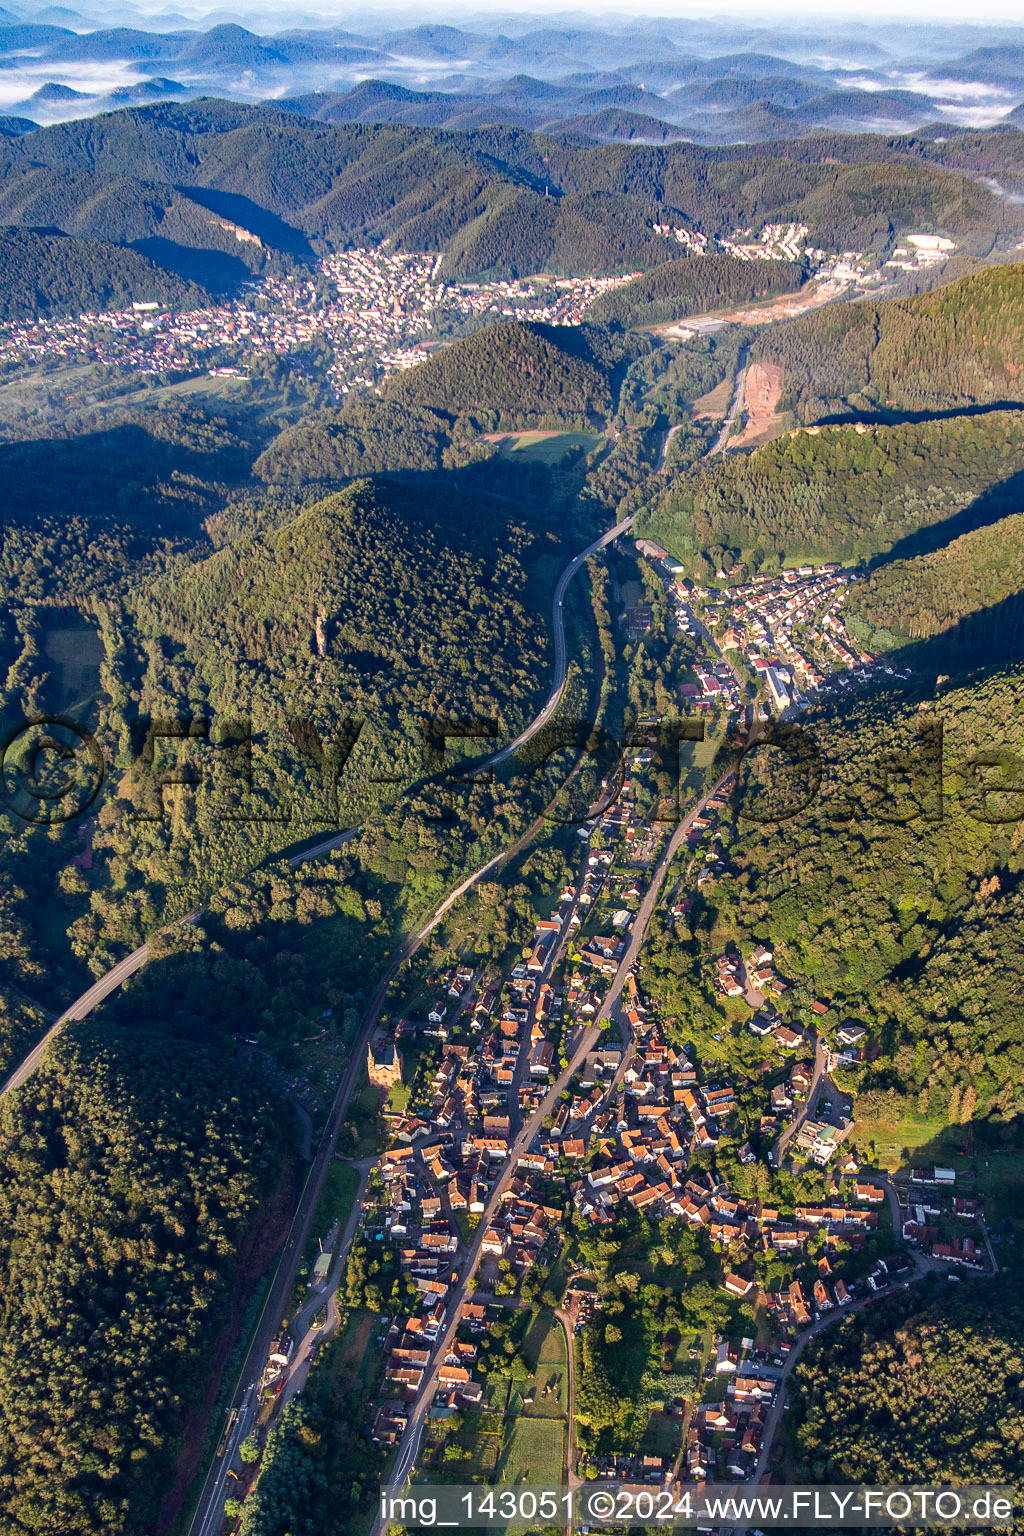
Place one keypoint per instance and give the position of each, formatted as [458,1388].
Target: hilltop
[43,272]
[846,492]
[694,285]
[969,594]
[960,345]
[513,375]
[380,595]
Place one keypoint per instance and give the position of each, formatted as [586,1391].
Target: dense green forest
[335,638]
[513,375]
[364,437]
[957,346]
[496,200]
[223,587]
[132,1166]
[375,598]
[52,274]
[914,1392]
[966,599]
[892,891]
[692,286]
[200,590]
[21,1023]
[845,493]
[86,508]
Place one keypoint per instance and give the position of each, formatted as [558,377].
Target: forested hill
[693,286]
[515,375]
[382,598]
[950,1369]
[957,346]
[132,1165]
[901,912]
[363,437]
[495,200]
[828,493]
[966,600]
[44,273]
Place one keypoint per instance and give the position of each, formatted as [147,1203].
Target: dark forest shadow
[988,637]
[215,270]
[887,417]
[272,230]
[990,507]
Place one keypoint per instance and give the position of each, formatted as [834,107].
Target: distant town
[377,311]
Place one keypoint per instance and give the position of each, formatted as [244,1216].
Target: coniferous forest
[951,1368]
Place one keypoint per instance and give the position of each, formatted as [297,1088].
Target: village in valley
[782,635]
[376,311]
[541,1149]
[536,1120]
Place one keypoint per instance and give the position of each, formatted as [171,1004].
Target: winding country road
[119,973]
[735,406]
[778,1150]
[666,442]
[922,1267]
[208,1514]
[561,658]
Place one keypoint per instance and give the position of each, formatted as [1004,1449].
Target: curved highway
[119,973]
[209,1511]
[735,406]
[561,658]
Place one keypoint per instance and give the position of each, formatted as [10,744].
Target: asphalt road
[663,452]
[305,1335]
[829,1320]
[209,1509]
[561,660]
[119,973]
[735,406]
[778,1151]
[82,1006]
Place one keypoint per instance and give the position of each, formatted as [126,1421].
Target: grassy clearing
[336,1198]
[681,1361]
[716,402]
[398,1099]
[216,388]
[533,1452]
[77,653]
[889,1145]
[545,449]
[354,1353]
[662,1435]
[559,1276]
[545,1393]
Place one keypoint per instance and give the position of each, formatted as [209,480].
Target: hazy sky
[943,12]
[893,11]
